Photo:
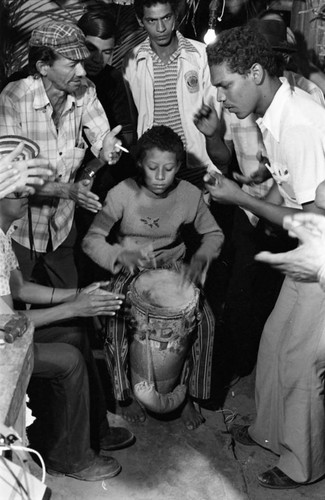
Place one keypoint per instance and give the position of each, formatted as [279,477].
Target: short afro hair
[240,48]
[162,138]
[139,6]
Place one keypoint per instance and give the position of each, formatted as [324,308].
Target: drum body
[164,313]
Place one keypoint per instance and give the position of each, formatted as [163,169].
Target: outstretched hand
[110,152]
[94,300]
[21,175]
[80,193]
[304,262]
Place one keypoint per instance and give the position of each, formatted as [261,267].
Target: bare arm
[208,123]
[228,192]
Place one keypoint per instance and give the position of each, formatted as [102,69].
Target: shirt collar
[41,99]
[184,46]
[8,234]
[270,121]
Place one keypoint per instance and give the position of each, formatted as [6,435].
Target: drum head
[164,288]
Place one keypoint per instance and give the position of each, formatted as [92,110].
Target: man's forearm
[41,317]
[217,150]
[56,189]
[32,293]
[269,211]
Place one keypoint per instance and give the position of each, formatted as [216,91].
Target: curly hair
[139,6]
[240,48]
[162,138]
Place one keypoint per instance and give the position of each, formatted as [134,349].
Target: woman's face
[159,170]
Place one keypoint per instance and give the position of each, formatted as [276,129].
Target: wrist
[87,173]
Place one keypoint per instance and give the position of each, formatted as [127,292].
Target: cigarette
[122,148]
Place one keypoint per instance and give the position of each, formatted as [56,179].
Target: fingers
[16,152]
[116,130]
[303,224]
[8,181]
[270,258]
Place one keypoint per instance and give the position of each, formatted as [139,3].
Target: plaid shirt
[26,110]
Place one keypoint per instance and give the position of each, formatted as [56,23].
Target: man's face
[238,93]
[159,22]
[14,205]
[66,75]
[101,53]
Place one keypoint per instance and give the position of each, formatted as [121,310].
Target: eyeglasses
[17,196]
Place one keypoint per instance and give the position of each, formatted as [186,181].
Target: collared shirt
[247,139]
[293,130]
[193,87]
[26,111]
[8,261]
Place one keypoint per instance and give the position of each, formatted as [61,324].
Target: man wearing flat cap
[56,107]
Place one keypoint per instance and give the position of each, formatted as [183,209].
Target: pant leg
[68,448]
[202,353]
[116,346]
[75,333]
[252,291]
[290,382]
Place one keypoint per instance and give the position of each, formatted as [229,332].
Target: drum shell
[167,335]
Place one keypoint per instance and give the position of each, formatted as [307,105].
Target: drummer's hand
[95,301]
[131,259]
[80,193]
[196,268]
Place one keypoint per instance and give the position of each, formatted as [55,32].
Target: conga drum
[164,310]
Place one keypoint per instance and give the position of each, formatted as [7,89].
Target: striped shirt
[26,111]
[166,109]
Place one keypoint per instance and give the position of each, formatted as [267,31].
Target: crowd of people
[131,171]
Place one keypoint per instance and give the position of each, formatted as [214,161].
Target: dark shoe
[241,435]
[116,438]
[98,470]
[276,479]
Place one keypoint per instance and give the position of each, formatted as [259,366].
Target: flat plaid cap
[64,38]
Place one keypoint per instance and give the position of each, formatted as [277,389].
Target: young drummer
[151,211]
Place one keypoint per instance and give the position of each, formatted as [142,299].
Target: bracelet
[51,301]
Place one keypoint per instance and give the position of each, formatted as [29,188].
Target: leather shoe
[241,435]
[97,470]
[276,479]
[116,438]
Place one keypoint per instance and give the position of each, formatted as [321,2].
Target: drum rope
[149,355]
